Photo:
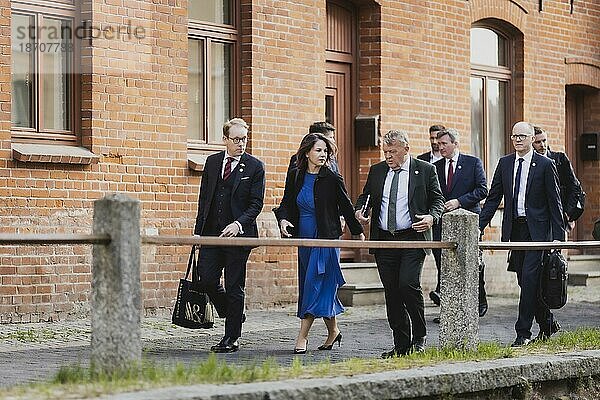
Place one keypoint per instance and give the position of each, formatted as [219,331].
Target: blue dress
[319,272]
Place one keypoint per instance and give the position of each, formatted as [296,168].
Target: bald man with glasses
[528,182]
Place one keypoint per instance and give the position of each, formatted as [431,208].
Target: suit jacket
[569,185]
[247,194]
[424,194]
[425,156]
[469,186]
[331,201]
[543,208]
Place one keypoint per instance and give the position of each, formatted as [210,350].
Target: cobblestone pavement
[31,352]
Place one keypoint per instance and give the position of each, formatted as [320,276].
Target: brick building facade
[133,103]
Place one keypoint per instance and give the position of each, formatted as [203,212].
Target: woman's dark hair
[306,146]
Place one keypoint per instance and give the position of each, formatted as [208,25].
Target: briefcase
[193,308]
[553,280]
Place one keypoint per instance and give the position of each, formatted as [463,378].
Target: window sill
[196,161]
[56,154]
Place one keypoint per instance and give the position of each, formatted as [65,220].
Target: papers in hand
[365,208]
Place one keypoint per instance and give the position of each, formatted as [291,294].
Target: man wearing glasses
[231,198]
[528,183]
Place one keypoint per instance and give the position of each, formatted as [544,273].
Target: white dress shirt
[403,220]
[523,185]
[433,158]
[234,163]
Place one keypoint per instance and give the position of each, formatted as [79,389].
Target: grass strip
[76,381]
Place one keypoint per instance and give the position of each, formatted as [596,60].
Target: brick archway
[582,71]
[513,12]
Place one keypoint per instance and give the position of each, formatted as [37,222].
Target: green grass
[77,381]
[40,335]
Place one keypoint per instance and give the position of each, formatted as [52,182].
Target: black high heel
[301,351]
[337,339]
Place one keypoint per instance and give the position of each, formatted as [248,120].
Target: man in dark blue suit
[528,183]
[463,185]
[231,198]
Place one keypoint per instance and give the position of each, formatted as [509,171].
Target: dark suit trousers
[400,273]
[437,256]
[528,265]
[228,302]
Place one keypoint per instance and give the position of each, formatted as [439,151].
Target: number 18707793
[46,47]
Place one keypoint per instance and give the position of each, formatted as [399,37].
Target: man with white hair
[405,199]
[528,182]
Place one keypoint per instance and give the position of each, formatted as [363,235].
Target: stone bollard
[116,295]
[459,281]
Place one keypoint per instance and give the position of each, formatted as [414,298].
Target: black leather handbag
[193,308]
[553,280]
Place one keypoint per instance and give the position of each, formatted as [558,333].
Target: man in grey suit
[405,198]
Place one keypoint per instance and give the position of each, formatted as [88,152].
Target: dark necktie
[227,170]
[450,175]
[391,217]
[517,187]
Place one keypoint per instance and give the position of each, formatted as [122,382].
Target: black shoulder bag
[193,308]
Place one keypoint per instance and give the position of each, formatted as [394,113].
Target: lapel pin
[533,164]
[460,167]
[416,172]
[241,169]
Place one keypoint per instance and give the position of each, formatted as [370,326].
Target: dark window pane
[217,11]
[22,71]
[220,89]
[55,73]
[477,117]
[196,116]
[488,48]
[329,115]
[496,97]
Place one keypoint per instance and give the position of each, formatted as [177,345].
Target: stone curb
[454,378]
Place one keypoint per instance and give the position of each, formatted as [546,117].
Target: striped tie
[227,170]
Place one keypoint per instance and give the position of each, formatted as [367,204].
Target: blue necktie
[517,187]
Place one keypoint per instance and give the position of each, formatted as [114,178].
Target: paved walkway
[31,352]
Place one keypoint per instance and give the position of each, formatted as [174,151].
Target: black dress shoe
[545,333]
[483,309]
[418,344]
[436,320]
[520,341]
[337,339]
[395,353]
[435,297]
[226,345]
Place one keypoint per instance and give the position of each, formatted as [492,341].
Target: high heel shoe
[337,339]
[301,351]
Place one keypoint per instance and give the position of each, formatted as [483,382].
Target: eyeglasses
[239,140]
[519,138]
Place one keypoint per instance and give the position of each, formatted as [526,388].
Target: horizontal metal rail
[255,242]
[538,245]
[28,239]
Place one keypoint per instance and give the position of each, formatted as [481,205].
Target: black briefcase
[553,280]
[193,308]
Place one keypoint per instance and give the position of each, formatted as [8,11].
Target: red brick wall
[413,70]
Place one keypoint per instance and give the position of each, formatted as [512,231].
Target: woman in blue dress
[313,200]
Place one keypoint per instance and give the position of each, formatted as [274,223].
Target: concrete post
[459,281]
[116,295]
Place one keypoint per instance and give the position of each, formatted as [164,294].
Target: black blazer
[570,187]
[246,198]
[425,156]
[331,201]
[424,194]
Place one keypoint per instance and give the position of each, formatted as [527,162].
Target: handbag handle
[191,261]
